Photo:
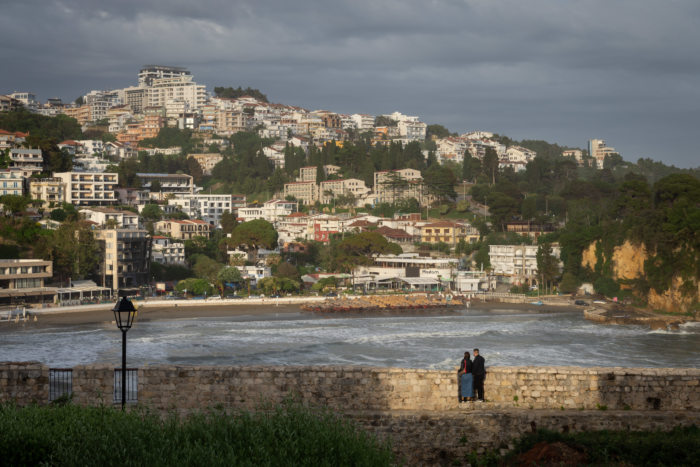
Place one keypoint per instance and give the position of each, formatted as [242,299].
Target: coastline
[152,310]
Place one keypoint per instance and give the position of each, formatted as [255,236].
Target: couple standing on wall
[472,374]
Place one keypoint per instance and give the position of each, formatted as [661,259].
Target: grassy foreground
[290,434]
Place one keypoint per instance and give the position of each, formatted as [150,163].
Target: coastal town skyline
[564,73]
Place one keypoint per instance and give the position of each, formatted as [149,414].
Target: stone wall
[349,388]
[417,409]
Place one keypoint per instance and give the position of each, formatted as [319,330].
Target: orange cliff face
[628,263]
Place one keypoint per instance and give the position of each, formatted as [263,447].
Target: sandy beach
[192,309]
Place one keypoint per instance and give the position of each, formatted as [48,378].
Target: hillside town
[157,221]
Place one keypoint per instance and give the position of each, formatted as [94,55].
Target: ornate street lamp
[124,314]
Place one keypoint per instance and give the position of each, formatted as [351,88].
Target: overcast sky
[626,71]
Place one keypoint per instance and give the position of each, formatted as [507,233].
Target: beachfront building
[126,257]
[517,263]
[22,281]
[409,265]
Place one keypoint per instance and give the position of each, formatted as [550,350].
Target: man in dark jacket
[479,372]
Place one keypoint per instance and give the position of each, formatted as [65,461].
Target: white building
[91,146]
[520,154]
[208,207]
[116,218]
[409,265]
[166,251]
[272,211]
[363,122]
[11,182]
[166,91]
[518,262]
[89,188]
[30,161]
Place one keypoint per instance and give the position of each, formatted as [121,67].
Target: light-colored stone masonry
[419,409]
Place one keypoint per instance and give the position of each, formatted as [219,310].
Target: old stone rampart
[369,388]
[419,409]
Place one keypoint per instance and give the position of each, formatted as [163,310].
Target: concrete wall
[350,388]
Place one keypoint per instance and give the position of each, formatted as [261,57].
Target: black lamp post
[124,314]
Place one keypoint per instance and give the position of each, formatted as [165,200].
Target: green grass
[289,434]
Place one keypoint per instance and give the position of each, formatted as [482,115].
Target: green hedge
[289,434]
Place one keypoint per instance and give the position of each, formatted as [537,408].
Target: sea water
[505,337]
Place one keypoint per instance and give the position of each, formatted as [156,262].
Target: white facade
[166,91]
[363,122]
[272,211]
[409,265]
[30,161]
[166,251]
[89,188]
[11,182]
[120,219]
[517,260]
[207,207]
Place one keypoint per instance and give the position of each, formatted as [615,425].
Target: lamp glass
[124,313]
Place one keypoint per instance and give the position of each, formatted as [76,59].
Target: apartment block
[183,229]
[393,185]
[89,188]
[109,217]
[272,211]
[11,182]
[517,261]
[449,232]
[167,183]
[51,191]
[331,189]
[30,161]
[126,257]
[208,207]
[166,251]
[305,192]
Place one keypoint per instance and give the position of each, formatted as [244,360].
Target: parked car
[581,303]
[331,294]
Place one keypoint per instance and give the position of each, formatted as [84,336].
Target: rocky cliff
[627,263]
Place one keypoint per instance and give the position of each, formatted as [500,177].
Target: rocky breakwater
[620,314]
[403,302]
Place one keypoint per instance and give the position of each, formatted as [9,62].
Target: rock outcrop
[628,263]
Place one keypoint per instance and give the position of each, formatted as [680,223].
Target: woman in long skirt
[466,392]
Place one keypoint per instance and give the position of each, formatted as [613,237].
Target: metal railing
[60,383]
[132,385]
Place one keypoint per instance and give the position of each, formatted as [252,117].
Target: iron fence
[132,385]
[60,383]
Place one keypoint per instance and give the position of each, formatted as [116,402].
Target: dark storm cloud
[565,71]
